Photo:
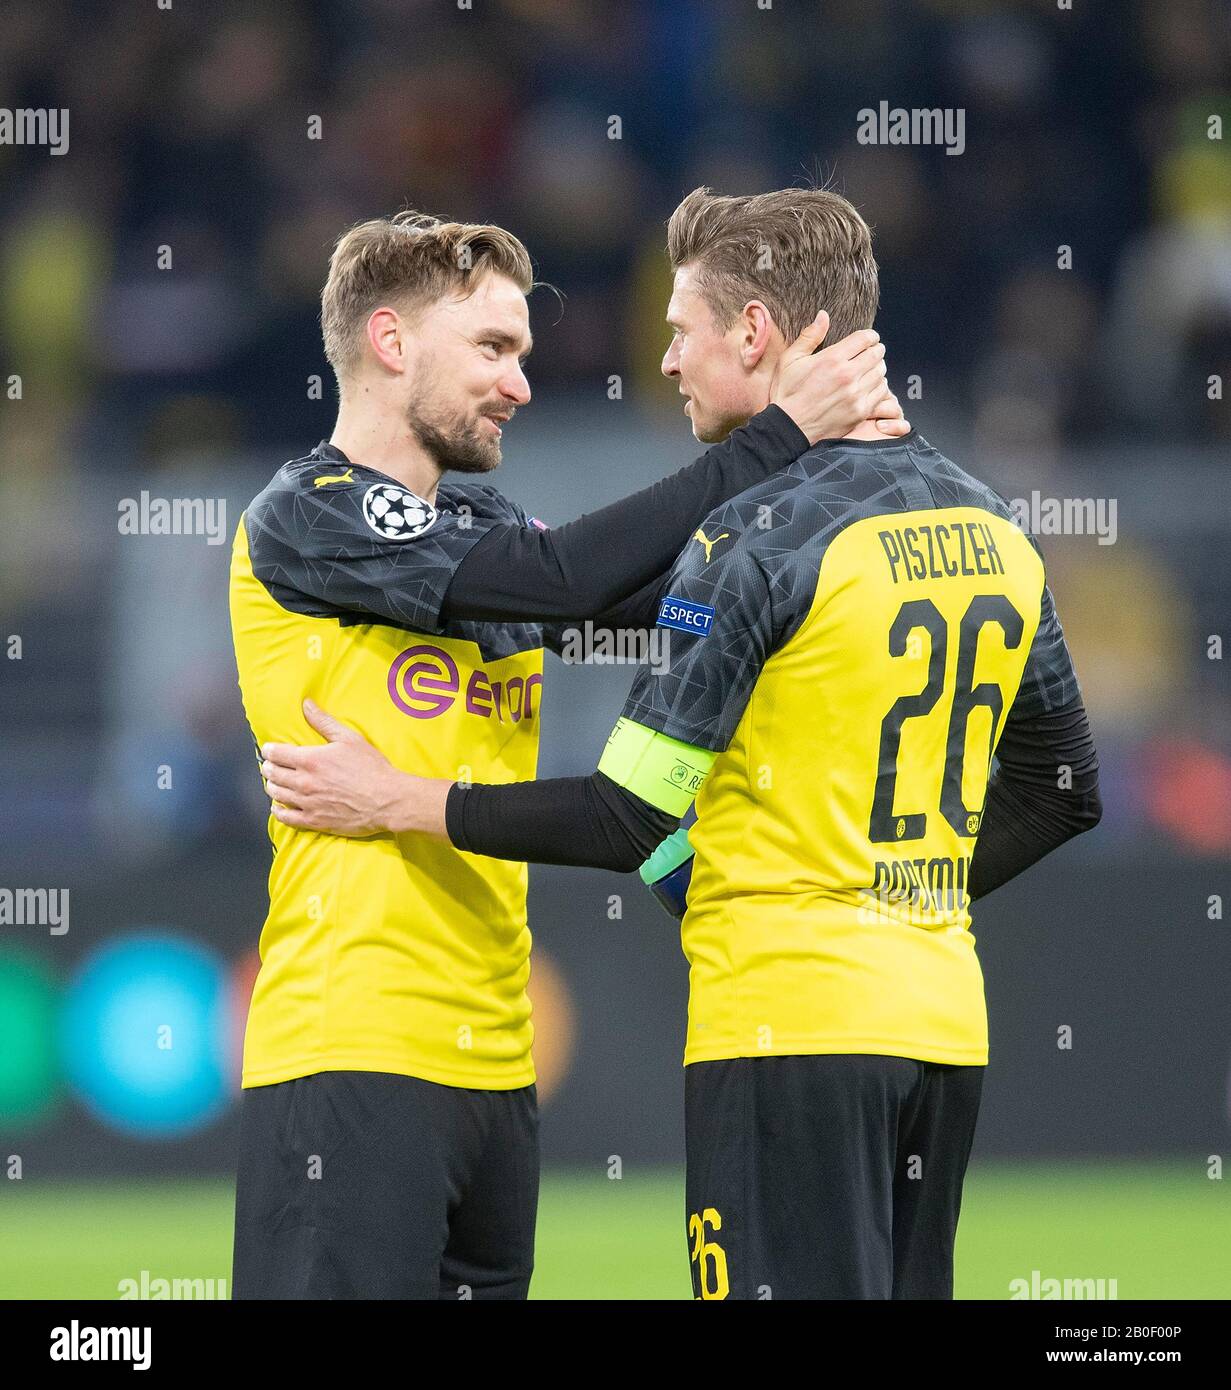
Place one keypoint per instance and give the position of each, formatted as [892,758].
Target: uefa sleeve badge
[395,513]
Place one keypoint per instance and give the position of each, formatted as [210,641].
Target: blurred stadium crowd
[191,129]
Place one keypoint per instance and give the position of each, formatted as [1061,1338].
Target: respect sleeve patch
[659,769]
[685,616]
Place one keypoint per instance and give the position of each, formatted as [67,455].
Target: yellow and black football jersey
[392,953]
[847,641]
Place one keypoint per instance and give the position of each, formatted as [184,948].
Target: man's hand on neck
[868,430]
[824,390]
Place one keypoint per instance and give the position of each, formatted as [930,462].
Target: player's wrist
[417,805]
[776,419]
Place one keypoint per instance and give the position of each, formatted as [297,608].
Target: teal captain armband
[659,769]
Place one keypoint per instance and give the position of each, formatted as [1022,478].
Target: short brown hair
[408,260]
[798,250]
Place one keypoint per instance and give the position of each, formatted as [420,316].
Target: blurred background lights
[144,1035]
[28,1064]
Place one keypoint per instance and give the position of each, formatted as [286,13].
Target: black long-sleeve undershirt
[1032,806]
[591,821]
[636,613]
[579,821]
[588,566]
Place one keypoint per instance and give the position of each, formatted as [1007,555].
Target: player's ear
[757,333]
[387,338]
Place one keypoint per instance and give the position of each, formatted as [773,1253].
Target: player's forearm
[1044,793]
[577,821]
[639,610]
[345,786]
[580,569]
[637,613]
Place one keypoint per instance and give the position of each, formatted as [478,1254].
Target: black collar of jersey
[329,451]
[911,437]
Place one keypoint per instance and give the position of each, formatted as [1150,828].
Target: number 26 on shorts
[709,1257]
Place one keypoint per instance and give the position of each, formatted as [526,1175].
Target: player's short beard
[454,444]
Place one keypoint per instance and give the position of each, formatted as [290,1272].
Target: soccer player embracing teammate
[389,1144]
[852,640]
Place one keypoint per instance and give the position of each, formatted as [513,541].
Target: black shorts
[834,1176]
[370,1185]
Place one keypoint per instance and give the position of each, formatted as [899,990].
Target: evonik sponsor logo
[425,682]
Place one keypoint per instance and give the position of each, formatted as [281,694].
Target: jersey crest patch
[395,513]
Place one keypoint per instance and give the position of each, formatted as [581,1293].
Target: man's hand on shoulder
[831,391]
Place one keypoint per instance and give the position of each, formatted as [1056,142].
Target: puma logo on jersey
[707,543]
[333,478]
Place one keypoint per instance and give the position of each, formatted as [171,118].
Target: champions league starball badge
[395,513]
